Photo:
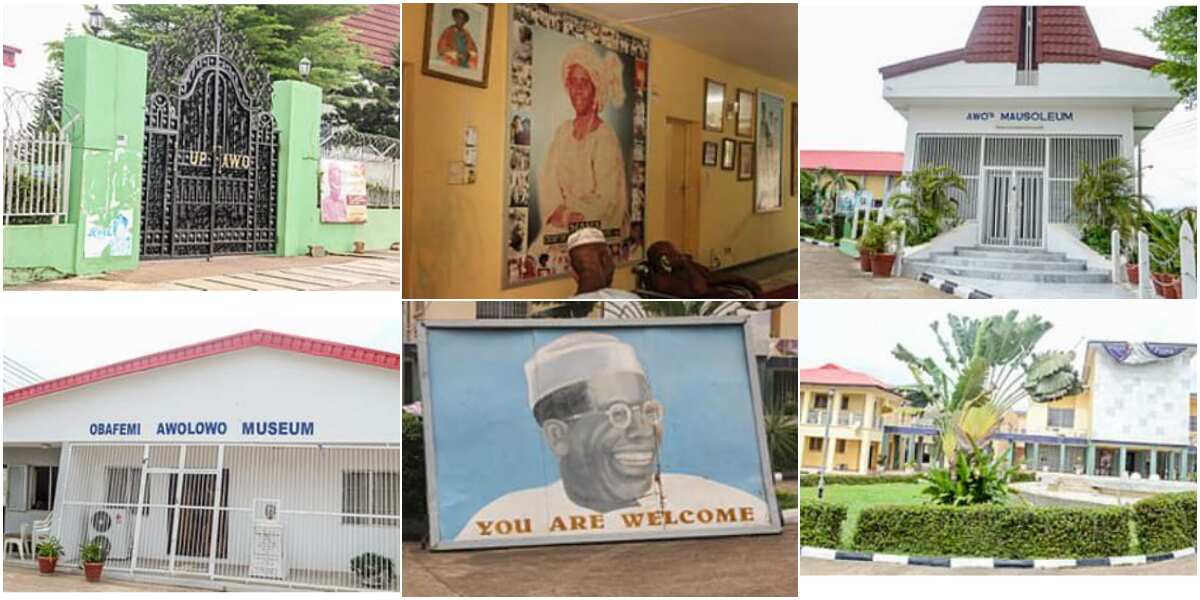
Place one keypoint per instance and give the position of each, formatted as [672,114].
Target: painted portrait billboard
[552,432]
[576,140]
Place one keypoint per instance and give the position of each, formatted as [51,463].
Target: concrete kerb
[821,243]
[972,562]
[791,516]
[951,287]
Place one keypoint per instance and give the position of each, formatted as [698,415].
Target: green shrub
[786,499]
[810,479]
[821,523]
[1022,476]
[998,531]
[413,470]
[1166,522]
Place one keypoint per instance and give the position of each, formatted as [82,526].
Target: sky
[848,81]
[860,335]
[59,334]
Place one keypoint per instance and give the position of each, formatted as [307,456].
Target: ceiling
[759,36]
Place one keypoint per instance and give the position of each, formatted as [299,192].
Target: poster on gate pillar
[343,191]
[592,431]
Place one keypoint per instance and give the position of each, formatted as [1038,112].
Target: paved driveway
[24,579]
[827,273]
[763,565]
[812,566]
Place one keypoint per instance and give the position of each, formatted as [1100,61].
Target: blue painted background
[488,443]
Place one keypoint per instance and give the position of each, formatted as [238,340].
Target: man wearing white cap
[592,266]
[598,415]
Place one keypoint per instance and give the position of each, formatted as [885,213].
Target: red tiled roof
[853,161]
[1063,34]
[831,374]
[378,30]
[240,341]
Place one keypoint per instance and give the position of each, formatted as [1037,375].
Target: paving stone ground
[381,271]
[25,579]
[827,273]
[762,565]
[812,566]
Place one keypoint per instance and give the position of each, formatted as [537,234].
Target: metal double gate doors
[1013,208]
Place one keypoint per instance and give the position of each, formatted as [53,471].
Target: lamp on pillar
[825,444]
[96,20]
[305,68]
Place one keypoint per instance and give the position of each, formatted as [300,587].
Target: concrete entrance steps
[1008,264]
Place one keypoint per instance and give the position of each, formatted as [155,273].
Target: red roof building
[10,55]
[853,161]
[833,375]
[377,30]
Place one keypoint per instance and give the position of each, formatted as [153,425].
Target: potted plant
[1131,262]
[1164,254]
[883,257]
[373,570]
[47,555]
[865,251]
[92,556]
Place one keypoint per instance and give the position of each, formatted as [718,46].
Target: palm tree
[1104,197]
[835,184]
[928,207]
[989,366]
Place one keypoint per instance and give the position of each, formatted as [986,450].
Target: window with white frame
[122,485]
[375,493]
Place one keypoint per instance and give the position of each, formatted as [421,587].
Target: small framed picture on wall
[458,41]
[745,113]
[728,153]
[709,155]
[745,162]
[714,105]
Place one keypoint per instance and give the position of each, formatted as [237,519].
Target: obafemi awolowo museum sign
[546,433]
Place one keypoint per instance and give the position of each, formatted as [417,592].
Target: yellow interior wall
[455,233]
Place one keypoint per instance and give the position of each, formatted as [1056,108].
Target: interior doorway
[682,215]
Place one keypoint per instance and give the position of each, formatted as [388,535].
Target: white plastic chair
[17,539]
[41,530]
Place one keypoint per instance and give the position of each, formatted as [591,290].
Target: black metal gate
[211,150]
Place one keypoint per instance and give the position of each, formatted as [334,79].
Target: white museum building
[1014,112]
[259,457]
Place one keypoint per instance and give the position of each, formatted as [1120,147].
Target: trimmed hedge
[810,480]
[821,523]
[1166,522]
[998,531]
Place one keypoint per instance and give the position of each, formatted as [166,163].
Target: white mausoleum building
[1031,95]
[259,457]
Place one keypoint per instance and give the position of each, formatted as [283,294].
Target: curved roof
[231,343]
[831,374]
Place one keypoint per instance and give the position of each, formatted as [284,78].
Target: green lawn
[858,497]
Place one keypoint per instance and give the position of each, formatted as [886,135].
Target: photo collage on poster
[577,111]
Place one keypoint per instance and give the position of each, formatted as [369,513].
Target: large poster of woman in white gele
[577,102]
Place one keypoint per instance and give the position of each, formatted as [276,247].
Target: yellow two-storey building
[848,409]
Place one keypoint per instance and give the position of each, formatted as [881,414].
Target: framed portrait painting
[709,156]
[768,153]
[458,40]
[728,153]
[577,99]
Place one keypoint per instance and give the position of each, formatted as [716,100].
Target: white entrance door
[1013,208]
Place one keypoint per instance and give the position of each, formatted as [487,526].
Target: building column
[805,398]
[912,451]
[1153,463]
[864,455]
[869,412]
[1012,451]
[1091,459]
[835,407]
[1062,459]
[885,449]
[1121,461]
[800,457]
[1033,459]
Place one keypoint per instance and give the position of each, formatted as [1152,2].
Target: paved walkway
[22,579]
[762,565]
[246,273]
[827,273]
[812,566]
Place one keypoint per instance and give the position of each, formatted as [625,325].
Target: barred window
[123,486]
[501,310]
[374,493]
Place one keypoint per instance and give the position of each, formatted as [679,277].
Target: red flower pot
[91,571]
[864,260]
[881,264]
[1131,273]
[46,564]
[1167,285]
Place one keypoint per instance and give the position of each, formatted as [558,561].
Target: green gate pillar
[297,109]
[106,84]
[1153,463]
[1091,459]
[1121,462]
